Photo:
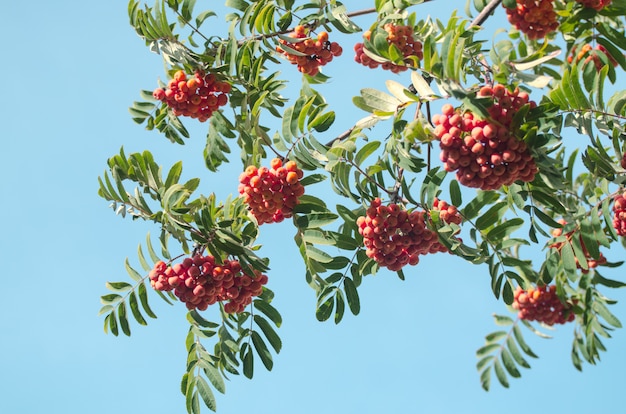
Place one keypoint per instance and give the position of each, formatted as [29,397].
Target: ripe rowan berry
[543,305]
[400,36]
[535,18]
[395,237]
[595,4]
[271,194]
[312,53]
[197,97]
[199,282]
[484,152]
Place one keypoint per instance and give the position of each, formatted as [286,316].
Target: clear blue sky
[69,71]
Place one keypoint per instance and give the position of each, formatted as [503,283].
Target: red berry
[271,194]
[483,154]
[543,305]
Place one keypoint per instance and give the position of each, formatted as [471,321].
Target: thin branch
[484,14]
[195,29]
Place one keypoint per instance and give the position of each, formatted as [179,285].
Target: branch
[484,14]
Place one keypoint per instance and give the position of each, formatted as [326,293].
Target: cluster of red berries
[271,193]
[591,55]
[595,4]
[202,281]
[591,262]
[535,18]
[197,96]
[485,153]
[311,53]
[543,305]
[619,214]
[394,237]
[402,37]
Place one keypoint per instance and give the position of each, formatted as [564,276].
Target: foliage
[564,210]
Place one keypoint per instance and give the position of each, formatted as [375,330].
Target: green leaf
[485,379]
[316,220]
[269,333]
[380,101]
[604,312]
[123,319]
[194,317]
[262,351]
[509,363]
[134,307]
[352,296]
[118,286]
[487,349]
[324,310]
[365,151]
[205,393]
[569,260]
[143,297]
[340,306]
[503,230]
[269,311]
[421,86]
[318,255]
[503,320]
[495,336]
[482,199]
[132,272]
[322,122]
[500,374]
[492,216]
[455,193]
[515,353]
[215,377]
[248,363]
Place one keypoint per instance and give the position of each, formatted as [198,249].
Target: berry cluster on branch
[591,54]
[271,193]
[395,237]
[309,53]
[595,4]
[485,153]
[535,18]
[542,304]
[619,214]
[400,36]
[201,281]
[591,262]
[197,96]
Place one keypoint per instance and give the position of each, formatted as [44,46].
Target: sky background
[69,72]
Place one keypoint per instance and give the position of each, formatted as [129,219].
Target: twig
[484,14]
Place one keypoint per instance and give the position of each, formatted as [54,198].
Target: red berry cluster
[591,55]
[591,262]
[271,194]
[485,153]
[535,18]
[201,281]
[402,37]
[619,214]
[314,53]
[543,305]
[595,4]
[622,162]
[197,96]
[394,237]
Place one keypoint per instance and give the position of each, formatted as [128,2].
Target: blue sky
[70,70]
